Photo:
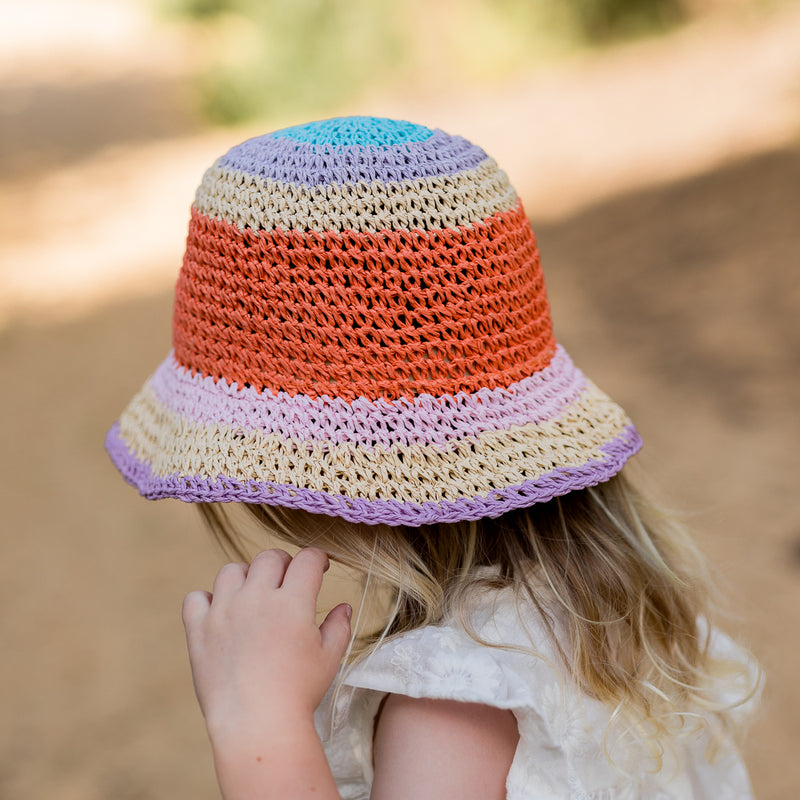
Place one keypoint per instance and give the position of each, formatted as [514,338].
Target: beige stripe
[445,201]
[420,473]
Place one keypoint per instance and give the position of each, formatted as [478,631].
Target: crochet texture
[361,328]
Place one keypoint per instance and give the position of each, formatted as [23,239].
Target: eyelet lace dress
[561,754]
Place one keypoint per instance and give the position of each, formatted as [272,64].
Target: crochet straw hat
[361,329]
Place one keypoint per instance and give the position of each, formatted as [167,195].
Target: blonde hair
[634,587]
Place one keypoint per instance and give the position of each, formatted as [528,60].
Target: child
[364,358]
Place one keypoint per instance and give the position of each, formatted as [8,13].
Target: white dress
[560,754]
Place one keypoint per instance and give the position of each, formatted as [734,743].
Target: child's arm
[260,667]
[433,749]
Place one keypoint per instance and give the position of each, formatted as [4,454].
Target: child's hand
[259,662]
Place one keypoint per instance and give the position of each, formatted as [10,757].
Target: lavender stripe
[422,420]
[291,161]
[392,512]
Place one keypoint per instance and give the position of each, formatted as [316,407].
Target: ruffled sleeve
[441,663]
[444,662]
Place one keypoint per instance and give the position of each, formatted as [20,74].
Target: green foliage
[268,56]
[604,20]
[278,57]
[194,9]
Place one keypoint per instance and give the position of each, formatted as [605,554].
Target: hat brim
[409,461]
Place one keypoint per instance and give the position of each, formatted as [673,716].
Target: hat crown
[361,257]
[352,150]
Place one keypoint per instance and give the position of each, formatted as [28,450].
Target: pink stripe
[423,420]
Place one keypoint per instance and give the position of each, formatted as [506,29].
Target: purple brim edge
[196,489]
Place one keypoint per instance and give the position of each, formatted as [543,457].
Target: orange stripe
[388,314]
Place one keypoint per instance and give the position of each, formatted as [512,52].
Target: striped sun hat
[361,329]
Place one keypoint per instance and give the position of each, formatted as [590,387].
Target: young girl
[364,359]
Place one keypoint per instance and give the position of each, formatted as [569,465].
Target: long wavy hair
[630,583]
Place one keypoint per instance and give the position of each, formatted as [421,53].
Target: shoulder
[435,748]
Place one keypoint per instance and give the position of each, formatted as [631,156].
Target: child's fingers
[304,576]
[230,578]
[269,567]
[335,630]
[195,607]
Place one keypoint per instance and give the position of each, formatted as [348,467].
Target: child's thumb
[335,630]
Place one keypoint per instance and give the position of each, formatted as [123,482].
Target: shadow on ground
[681,301]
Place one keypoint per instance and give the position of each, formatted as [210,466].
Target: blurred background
[656,146]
